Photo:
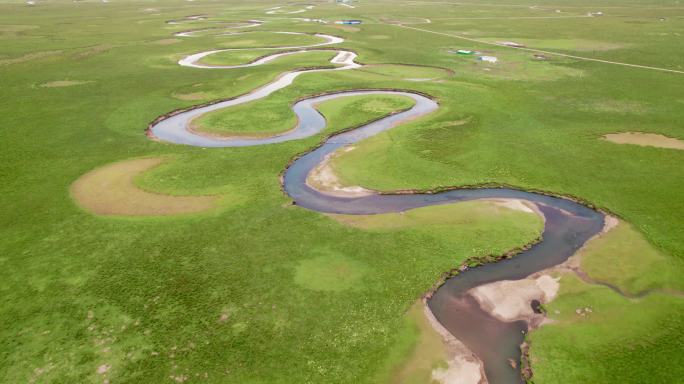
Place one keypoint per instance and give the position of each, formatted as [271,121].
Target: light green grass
[624,258]
[330,272]
[407,71]
[464,221]
[577,45]
[352,111]
[216,294]
[274,115]
[604,345]
[306,59]
[267,39]
[258,118]
[416,353]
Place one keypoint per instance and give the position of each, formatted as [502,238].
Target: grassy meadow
[260,291]
[275,115]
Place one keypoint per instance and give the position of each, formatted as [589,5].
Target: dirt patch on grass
[645,140]
[63,83]
[111,190]
[323,179]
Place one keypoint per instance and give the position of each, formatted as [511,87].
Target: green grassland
[599,336]
[265,39]
[308,59]
[267,292]
[626,260]
[418,350]
[275,115]
[349,112]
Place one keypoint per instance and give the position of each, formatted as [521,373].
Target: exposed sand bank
[324,179]
[111,190]
[517,205]
[510,300]
[645,140]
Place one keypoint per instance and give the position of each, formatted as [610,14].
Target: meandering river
[568,225]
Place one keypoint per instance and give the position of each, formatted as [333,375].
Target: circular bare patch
[110,190]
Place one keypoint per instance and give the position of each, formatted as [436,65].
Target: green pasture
[262,291]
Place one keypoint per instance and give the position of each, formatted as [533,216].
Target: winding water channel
[568,225]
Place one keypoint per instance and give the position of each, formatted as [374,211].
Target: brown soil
[645,140]
[111,190]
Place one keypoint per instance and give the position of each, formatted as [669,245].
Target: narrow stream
[568,225]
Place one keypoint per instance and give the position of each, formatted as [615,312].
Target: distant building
[489,59]
[348,22]
[465,52]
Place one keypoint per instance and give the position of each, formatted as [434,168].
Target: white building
[489,59]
